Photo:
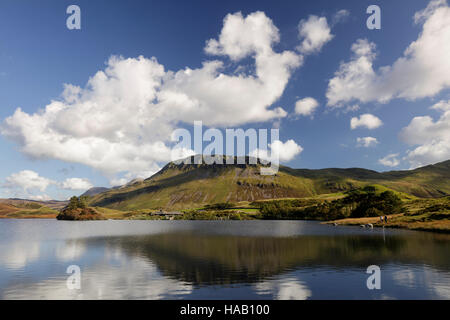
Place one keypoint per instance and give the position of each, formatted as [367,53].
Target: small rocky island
[78,210]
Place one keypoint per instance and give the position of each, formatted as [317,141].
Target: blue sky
[39,55]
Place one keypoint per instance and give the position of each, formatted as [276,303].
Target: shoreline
[394,222]
[397,221]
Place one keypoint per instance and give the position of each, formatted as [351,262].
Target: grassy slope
[178,189]
[192,186]
[21,209]
[430,181]
[24,211]
[421,214]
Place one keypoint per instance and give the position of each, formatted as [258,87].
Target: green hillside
[181,186]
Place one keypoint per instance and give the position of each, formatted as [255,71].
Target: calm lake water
[218,260]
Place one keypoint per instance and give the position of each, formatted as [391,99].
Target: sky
[97,106]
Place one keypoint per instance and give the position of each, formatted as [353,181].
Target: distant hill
[180,185]
[33,204]
[95,190]
[21,208]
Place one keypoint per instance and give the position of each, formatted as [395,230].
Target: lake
[218,260]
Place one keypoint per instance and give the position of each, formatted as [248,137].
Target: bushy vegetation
[77,202]
[212,215]
[287,202]
[42,212]
[368,203]
[365,202]
[77,209]
[219,206]
[436,209]
[29,205]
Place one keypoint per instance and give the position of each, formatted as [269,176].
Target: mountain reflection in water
[209,260]
[188,260]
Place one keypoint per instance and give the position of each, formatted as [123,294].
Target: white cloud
[27,180]
[422,71]
[423,129]
[351,108]
[29,184]
[122,120]
[365,120]
[366,142]
[76,184]
[340,16]
[115,182]
[390,160]
[315,33]
[432,138]
[353,77]
[442,105]
[241,36]
[144,174]
[306,106]
[40,197]
[423,15]
[286,151]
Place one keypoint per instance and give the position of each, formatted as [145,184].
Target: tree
[73,202]
[82,202]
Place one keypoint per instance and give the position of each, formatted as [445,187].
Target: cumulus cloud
[422,71]
[120,123]
[76,184]
[366,142]
[366,120]
[241,36]
[306,106]
[390,160]
[286,151]
[315,33]
[442,105]
[27,180]
[431,138]
[353,77]
[29,184]
[423,15]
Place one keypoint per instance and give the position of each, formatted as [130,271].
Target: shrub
[219,206]
[358,203]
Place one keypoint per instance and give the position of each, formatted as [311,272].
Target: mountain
[93,191]
[97,190]
[180,185]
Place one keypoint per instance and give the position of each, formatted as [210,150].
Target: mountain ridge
[178,185]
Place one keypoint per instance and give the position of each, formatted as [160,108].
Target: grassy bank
[400,221]
[419,214]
